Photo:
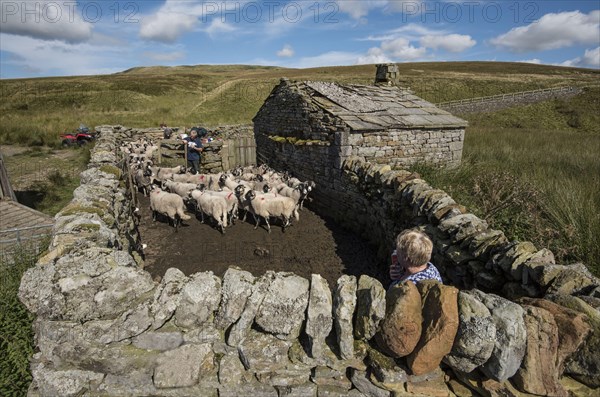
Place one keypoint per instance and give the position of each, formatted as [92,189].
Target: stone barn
[382,123]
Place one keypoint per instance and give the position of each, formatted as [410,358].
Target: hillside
[35,111]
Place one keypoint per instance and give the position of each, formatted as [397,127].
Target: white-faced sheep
[169,204]
[213,206]
[280,207]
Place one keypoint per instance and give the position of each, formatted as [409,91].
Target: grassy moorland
[532,171]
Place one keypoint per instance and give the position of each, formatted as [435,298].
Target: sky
[62,38]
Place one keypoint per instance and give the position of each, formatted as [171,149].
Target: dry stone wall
[494,104]
[105,328]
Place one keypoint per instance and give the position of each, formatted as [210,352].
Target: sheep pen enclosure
[105,327]
[315,244]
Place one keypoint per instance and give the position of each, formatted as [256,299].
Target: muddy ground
[312,245]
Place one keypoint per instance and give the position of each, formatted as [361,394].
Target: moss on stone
[111,169]
[277,138]
[76,209]
[375,357]
[87,227]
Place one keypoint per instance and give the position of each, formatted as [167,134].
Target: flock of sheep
[223,197]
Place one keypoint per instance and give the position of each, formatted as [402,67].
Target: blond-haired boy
[410,260]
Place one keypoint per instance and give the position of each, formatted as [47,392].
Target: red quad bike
[80,138]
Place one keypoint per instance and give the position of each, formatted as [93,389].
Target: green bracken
[16,335]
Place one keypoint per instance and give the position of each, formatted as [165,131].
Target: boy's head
[414,248]
[193,133]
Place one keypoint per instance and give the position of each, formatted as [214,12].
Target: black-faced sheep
[280,207]
[142,180]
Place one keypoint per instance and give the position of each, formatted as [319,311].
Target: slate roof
[376,108]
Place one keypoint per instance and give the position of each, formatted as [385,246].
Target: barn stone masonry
[381,124]
[104,328]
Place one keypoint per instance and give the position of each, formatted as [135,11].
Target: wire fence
[33,239]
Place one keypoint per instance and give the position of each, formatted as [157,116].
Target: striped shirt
[430,273]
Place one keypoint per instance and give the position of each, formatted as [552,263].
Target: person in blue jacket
[194,150]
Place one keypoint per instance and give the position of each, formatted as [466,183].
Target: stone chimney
[387,74]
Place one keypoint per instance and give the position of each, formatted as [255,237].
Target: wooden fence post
[185,155]
[225,156]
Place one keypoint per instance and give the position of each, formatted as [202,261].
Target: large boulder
[573,329]
[232,372]
[240,329]
[67,383]
[237,288]
[180,367]
[361,381]
[440,324]
[475,337]
[200,297]
[263,352]
[511,336]
[573,280]
[111,294]
[370,307]
[283,308]
[538,373]
[319,315]
[462,226]
[167,296]
[400,330]
[344,303]
[584,365]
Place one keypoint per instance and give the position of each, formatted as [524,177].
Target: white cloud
[411,31]
[46,20]
[286,52]
[331,58]
[359,8]
[534,61]
[167,26]
[450,42]
[401,49]
[165,56]
[218,26]
[58,58]
[590,59]
[553,31]
[374,55]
